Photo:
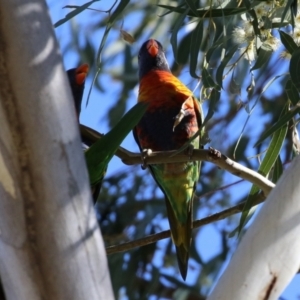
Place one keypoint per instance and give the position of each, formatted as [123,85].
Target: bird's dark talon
[145,154]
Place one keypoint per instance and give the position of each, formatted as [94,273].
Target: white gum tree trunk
[50,243]
[268,256]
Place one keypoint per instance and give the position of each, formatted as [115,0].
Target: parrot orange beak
[152,47]
[81,73]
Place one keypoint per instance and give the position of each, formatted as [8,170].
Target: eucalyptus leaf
[295,68]
[99,154]
[281,123]
[175,30]
[292,92]
[207,80]
[288,42]
[197,39]
[74,13]
[263,57]
[222,66]
[265,167]
[207,13]
[278,170]
[213,99]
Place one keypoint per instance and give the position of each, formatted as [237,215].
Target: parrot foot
[145,154]
[214,153]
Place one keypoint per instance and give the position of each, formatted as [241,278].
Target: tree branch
[210,155]
[166,234]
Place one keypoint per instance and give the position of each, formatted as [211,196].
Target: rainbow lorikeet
[160,129]
[77,78]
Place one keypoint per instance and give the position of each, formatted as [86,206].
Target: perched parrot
[77,78]
[99,151]
[173,116]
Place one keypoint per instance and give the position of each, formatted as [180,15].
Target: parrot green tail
[178,182]
[181,236]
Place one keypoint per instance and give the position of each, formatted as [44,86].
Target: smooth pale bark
[50,244]
[268,256]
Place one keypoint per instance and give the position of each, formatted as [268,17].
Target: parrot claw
[214,153]
[145,154]
[178,118]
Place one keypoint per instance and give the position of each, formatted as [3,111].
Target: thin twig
[166,234]
[216,190]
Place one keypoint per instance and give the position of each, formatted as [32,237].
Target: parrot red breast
[160,129]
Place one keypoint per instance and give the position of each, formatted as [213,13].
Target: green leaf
[265,167]
[108,27]
[207,13]
[222,66]
[273,150]
[207,80]
[268,84]
[183,51]
[99,154]
[175,30]
[252,13]
[263,57]
[278,169]
[283,120]
[212,36]
[294,7]
[267,22]
[288,42]
[279,24]
[192,6]
[292,92]
[234,86]
[221,41]
[286,9]
[292,16]
[295,68]
[195,45]
[74,13]
[214,98]
[120,8]
[173,9]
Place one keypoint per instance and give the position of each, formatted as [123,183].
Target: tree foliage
[244,56]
